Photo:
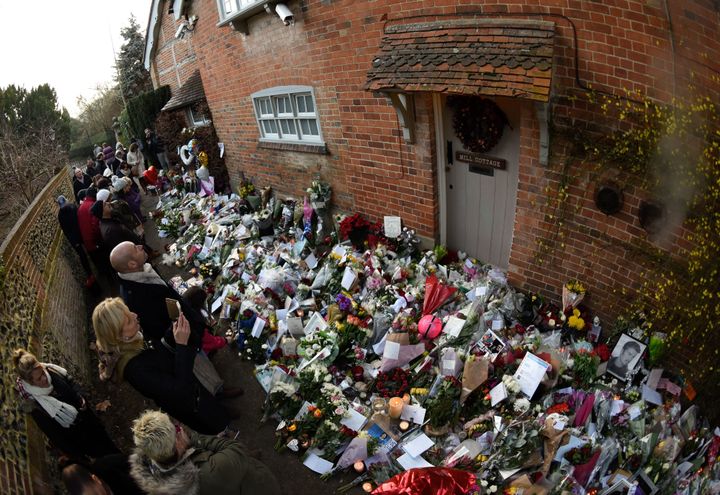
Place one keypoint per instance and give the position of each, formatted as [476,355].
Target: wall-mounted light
[187,25]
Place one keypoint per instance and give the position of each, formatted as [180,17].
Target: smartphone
[173,308]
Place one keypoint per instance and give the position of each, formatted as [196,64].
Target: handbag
[203,370]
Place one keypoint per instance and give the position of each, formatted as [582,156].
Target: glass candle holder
[396,406]
[379,405]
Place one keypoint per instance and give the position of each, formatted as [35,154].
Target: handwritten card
[348,278]
[294,325]
[317,464]
[393,227]
[392,350]
[414,413]
[530,373]
[257,327]
[453,326]
[417,445]
[498,394]
[355,420]
[315,323]
[311,261]
[409,462]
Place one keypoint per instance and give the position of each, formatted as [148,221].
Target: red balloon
[429,327]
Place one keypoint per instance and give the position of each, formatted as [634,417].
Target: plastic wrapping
[428,481]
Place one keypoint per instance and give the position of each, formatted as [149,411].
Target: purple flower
[343,302]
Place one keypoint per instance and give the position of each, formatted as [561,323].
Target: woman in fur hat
[159,374]
[56,405]
[168,461]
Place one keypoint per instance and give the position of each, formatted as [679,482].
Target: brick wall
[621,45]
[42,309]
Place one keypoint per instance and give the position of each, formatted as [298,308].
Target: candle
[404,425]
[406,399]
[379,405]
[367,487]
[396,407]
[359,466]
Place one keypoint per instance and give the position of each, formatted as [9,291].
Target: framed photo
[643,484]
[625,356]
[620,487]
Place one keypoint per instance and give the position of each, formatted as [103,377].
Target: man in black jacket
[112,231]
[144,292]
[68,220]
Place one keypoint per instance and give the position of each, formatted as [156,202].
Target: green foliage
[29,112]
[132,77]
[676,149]
[144,108]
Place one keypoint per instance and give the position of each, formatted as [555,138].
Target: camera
[284,13]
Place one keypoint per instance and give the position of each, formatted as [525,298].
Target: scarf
[112,363]
[148,275]
[61,412]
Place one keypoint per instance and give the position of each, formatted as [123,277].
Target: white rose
[327,378]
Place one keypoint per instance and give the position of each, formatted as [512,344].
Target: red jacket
[89,226]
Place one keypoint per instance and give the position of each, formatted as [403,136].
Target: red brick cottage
[361,93]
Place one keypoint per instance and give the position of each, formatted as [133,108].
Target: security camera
[284,13]
[181,30]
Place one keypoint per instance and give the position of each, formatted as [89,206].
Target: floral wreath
[478,122]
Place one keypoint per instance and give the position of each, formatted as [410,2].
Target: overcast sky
[67,44]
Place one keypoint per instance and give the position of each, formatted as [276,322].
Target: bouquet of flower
[393,383]
[246,188]
[573,293]
[360,231]
[282,400]
[584,369]
[310,345]
[311,379]
[443,407]
[320,193]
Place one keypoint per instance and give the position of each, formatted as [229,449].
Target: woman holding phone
[158,374]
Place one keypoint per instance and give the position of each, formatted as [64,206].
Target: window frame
[271,95]
[190,115]
[239,11]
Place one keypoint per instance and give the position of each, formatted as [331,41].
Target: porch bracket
[404,105]
[543,115]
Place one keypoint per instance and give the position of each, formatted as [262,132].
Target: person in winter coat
[107,475]
[168,461]
[112,231]
[68,220]
[128,192]
[80,181]
[56,405]
[155,149]
[160,374]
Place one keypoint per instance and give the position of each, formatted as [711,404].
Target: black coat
[167,378]
[113,233]
[80,185]
[148,302]
[68,220]
[115,471]
[86,437]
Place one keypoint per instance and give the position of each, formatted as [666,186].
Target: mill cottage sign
[480,159]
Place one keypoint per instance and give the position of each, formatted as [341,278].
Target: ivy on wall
[673,152]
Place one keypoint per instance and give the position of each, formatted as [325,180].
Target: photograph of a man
[625,356]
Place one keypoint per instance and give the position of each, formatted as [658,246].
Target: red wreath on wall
[478,122]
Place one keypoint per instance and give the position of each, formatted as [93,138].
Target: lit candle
[404,425]
[406,399]
[359,466]
[396,406]
[367,487]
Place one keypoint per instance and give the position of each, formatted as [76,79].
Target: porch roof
[188,93]
[489,57]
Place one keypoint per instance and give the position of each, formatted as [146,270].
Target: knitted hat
[107,172]
[120,183]
[97,208]
[61,200]
[103,195]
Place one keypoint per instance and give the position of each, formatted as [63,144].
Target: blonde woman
[169,461]
[56,405]
[158,374]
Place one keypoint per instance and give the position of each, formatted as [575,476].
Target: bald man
[144,292]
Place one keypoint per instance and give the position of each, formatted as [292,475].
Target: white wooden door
[481,208]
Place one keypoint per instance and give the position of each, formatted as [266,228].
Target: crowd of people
[151,338]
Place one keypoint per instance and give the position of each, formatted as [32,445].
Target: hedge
[144,108]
